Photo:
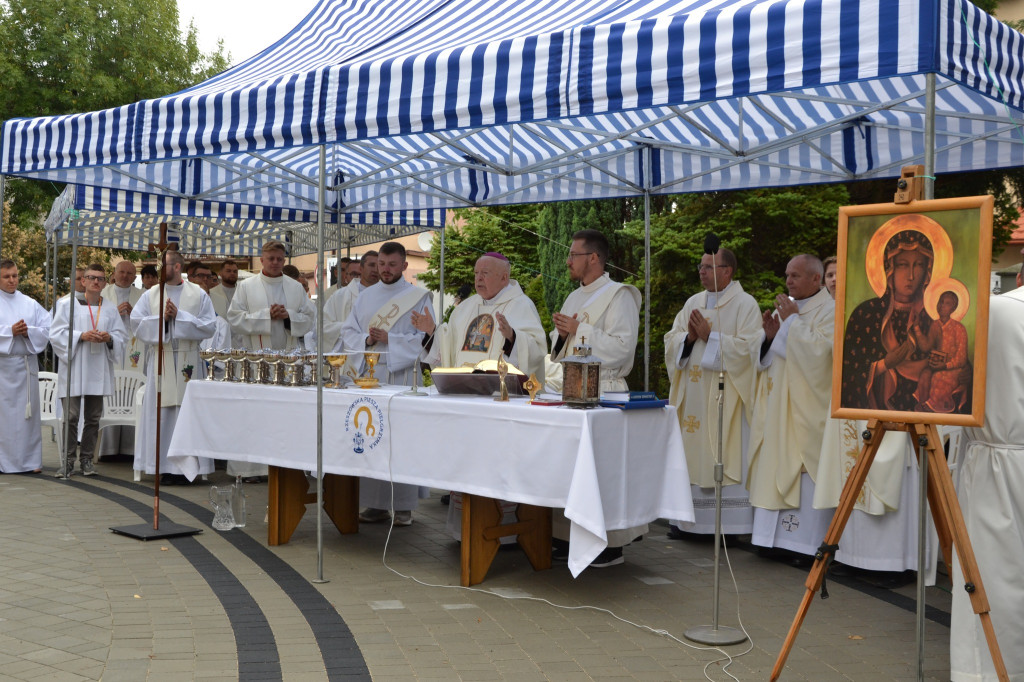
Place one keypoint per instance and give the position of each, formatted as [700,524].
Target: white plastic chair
[140,393]
[119,408]
[48,406]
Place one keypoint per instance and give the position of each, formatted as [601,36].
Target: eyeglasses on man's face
[95,278]
[574,255]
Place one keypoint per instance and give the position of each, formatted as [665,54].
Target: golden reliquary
[581,377]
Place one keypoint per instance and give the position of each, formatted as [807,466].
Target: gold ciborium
[336,361]
[369,381]
[292,368]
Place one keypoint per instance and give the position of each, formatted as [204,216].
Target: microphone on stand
[711,243]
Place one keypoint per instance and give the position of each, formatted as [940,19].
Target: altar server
[791,407]
[24,332]
[381,321]
[96,347]
[188,318]
[717,329]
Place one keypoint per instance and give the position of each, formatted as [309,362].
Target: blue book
[635,404]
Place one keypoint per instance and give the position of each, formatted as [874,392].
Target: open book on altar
[479,379]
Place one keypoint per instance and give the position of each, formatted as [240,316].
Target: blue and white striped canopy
[425,104]
[83,213]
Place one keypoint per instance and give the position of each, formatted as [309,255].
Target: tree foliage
[59,57]
[29,253]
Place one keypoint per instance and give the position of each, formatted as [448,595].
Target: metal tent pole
[647,267]
[321,208]
[3,187]
[922,488]
[69,363]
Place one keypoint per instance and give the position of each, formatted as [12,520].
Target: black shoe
[446,500]
[611,556]
[168,479]
[559,550]
[674,533]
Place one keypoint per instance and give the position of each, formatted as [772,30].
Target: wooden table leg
[482,531]
[287,492]
[341,502]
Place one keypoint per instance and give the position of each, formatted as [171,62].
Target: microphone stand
[715,634]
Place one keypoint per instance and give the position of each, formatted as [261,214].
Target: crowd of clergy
[784,458]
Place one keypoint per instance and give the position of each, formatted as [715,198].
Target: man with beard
[381,320]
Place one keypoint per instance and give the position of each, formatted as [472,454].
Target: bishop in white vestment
[717,329]
[498,320]
[24,332]
[188,319]
[381,321]
[791,407]
[991,492]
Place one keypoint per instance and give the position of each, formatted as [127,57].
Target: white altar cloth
[608,468]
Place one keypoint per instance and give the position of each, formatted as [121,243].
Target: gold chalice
[369,381]
[208,354]
[336,361]
[292,367]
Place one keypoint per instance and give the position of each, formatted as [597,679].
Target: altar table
[608,468]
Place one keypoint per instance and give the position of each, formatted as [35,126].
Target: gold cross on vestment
[695,374]
[691,423]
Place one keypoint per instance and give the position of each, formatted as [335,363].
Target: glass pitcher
[220,499]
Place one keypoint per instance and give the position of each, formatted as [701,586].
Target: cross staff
[161,248]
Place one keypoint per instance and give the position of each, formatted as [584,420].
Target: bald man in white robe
[499,320]
[123,295]
[791,408]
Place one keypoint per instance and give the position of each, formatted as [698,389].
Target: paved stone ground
[78,602]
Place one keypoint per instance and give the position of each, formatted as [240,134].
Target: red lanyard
[99,309]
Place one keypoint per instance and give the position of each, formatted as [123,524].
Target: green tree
[28,252]
[765,228]
[59,57]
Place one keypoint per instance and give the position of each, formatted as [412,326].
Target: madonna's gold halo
[874,259]
[939,287]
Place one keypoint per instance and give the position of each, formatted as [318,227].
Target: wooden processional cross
[949,522]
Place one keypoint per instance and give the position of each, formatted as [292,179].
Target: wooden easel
[949,522]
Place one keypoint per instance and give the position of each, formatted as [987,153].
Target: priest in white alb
[381,321]
[339,306]
[499,320]
[123,295]
[605,315]
[24,333]
[791,407]
[991,493]
[271,310]
[187,318]
[717,331]
[95,344]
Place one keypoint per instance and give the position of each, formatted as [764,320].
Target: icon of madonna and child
[906,349]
